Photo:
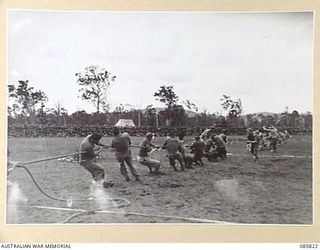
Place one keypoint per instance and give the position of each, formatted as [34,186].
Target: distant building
[125,123]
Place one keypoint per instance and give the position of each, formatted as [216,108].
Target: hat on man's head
[125,134]
[172,133]
[149,135]
[213,135]
[115,131]
[96,137]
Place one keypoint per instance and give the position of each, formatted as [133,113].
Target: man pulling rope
[121,143]
[88,155]
[145,148]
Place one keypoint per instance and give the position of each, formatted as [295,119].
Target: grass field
[276,189]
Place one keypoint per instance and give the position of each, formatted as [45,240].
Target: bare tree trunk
[139,120]
[157,120]
[98,105]
[32,117]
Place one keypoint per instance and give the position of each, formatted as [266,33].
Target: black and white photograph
[159,117]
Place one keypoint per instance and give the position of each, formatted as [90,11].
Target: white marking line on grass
[128,213]
[276,156]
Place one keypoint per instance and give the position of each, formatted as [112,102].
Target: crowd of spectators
[82,131]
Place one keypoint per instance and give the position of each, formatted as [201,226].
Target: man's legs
[145,162]
[212,155]
[254,150]
[224,151]
[273,144]
[97,173]
[188,160]
[172,161]
[179,157]
[95,170]
[197,158]
[221,152]
[151,164]
[201,162]
[134,172]
[123,170]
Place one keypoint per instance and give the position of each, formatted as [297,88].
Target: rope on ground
[124,202]
[83,211]
[75,215]
[38,186]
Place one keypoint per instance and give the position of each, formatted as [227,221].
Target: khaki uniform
[123,155]
[146,146]
[88,159]
[221,148]
[173,147]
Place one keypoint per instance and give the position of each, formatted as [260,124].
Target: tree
[13,110]
[26,100]
[94,83]
[234,108]
[178,115]
[293,118]
[80,117]
[59,112]
[307,120]
[174,113]
[123,108]
[151,116]
[190,105]
[167,96]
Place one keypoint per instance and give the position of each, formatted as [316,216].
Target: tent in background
[125,123]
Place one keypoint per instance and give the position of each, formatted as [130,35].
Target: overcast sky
[266,59]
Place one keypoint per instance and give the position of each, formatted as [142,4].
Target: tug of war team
[209,145]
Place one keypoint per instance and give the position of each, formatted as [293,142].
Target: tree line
[27,105]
